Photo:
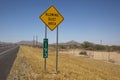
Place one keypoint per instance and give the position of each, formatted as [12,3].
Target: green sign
[45,48]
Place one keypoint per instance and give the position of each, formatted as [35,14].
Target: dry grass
[29,66]
[113,57]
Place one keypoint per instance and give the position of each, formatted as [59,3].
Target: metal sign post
[44,50]
[57,51]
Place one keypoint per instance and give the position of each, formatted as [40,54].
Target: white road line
[8,50]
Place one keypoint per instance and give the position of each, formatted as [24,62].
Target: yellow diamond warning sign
[51,17]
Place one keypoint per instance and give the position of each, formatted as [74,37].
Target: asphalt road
[4,47]
[6,61]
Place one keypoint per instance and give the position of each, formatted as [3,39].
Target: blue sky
[84,20]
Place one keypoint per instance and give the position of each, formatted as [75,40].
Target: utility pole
[101,53]
[101,42]
[36,41]
[33,41]
[109,54]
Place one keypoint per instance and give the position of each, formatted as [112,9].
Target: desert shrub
[87,45]
[115,48]
[62,47]
[100,47]
[83,53]
[111,60]
[118,52]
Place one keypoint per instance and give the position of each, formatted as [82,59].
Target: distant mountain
[6,42]
[2,42]
[29,43]
[72,42]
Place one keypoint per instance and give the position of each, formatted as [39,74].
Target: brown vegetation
[29,66]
